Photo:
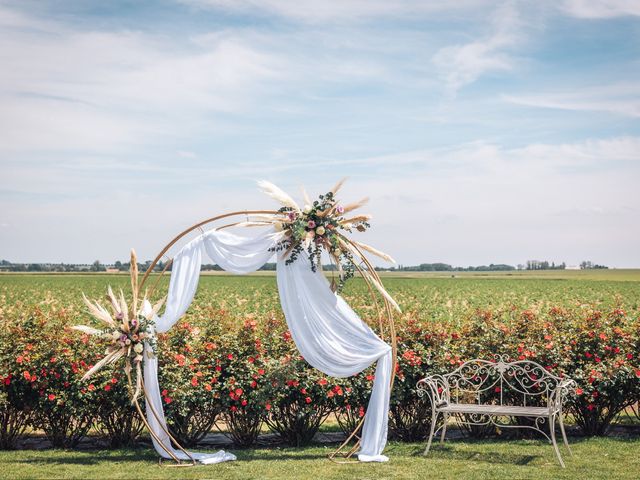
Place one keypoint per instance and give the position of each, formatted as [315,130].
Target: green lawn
[612,458]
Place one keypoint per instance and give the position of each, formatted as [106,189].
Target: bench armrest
[561,392]
[436,387]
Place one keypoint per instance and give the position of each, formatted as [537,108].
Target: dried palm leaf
[355,205]
[113,300]
[375,251]
[98,311]
[338,186]
[87,330]
[134,282]
[110,358]
[278,194]
[356,219]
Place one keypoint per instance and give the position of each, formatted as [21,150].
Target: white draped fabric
[333,339]
[328,333]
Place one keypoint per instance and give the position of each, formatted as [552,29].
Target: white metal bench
[481,392]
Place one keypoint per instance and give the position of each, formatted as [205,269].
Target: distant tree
[97,267]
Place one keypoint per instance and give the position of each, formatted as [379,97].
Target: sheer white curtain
[333,339]
[235,254]
[328,333]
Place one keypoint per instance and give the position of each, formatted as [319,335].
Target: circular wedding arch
[384,312]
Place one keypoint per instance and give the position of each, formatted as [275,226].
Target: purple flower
[134,322]
[311,224]
[123,337]
[292,216]
[119,316]
[340,209]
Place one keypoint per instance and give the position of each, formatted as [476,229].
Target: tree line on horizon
[119,266]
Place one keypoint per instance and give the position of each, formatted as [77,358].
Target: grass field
[609,458]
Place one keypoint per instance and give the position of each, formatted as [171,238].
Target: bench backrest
[522,382]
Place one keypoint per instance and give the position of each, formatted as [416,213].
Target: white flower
[278,226]
[306,209]
[138,348]
[320,230]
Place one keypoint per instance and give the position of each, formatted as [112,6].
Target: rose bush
[241,370]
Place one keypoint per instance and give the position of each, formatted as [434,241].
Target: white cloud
[599,9]
[460,65]
[64,88]
[619,99]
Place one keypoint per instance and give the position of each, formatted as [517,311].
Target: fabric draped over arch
[327,332]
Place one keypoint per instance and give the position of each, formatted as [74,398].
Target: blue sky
[484,132]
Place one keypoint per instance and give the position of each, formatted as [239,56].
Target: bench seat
[506,410]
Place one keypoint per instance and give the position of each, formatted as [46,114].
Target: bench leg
[564,434]
[552,429]
[434,418]
[444,428]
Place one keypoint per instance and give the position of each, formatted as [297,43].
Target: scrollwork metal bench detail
[480,392]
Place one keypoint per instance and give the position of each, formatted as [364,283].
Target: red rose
[107,387]
[238,392]
[51,397]
[579,391]
[307,400]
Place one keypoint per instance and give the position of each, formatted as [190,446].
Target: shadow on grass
[450,452]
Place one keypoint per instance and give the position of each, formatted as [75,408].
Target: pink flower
[311,224]
[340,209]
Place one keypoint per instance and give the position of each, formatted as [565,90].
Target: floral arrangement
[129,329]
[321,225]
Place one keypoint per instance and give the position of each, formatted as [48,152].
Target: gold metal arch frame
[384,315]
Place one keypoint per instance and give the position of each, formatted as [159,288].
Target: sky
[482,131]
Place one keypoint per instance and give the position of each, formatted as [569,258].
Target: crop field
[429,297]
